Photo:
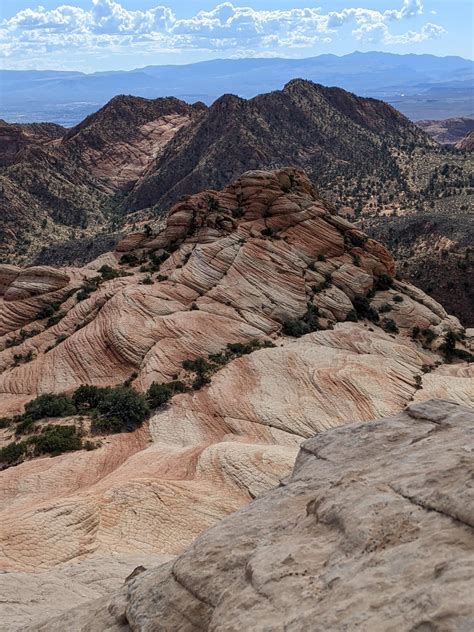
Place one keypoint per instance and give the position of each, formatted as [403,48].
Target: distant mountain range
[420,86]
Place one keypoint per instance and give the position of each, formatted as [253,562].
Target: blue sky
[91,35]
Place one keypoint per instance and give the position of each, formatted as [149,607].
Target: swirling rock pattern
[241,262]
[372,531]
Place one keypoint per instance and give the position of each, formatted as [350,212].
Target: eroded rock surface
[374,530]
[235,266]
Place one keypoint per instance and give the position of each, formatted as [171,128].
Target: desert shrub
[56,440]
[398,299]
[384,308]
[352,316]
[267,232]
[383,282]
[50,405]
[108,273]
[129,258]
[45,312]
[390,326]
[364,309]
[212,203]
[299,327]
[356,239]
[25,425]
[428,334]
[449,348]
[120,409]
[199,365]
[82,295]
[87,397]
[54,320]
[295,328]
[321,258]
[159,394]
[12,453]
[237,212]
[147,280]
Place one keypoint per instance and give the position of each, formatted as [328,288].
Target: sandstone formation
[35,281]
[253,262]
[372,531]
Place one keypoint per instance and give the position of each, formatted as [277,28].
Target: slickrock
[34,281]
[8,274]
[246,264]
[243,261]
[31,597]
[374,530]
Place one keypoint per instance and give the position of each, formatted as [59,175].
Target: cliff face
[373,530]
[266,261]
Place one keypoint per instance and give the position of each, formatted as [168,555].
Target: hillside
[449,131]
[127,164]
[398,517]
[67,187]
[330,133]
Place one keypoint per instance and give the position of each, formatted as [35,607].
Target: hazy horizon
[108,35]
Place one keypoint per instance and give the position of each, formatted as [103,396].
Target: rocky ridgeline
[372,531]
[264,261]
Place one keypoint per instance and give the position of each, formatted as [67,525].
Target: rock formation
[267,260]
[372,531]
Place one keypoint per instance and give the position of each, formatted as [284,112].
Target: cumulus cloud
[230,28]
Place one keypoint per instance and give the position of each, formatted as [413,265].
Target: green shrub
[390,326]
[87,397]
[398,299]
[108,273]
[120,409]
[25,425]
[237,212]
[45,312]
[56,440]
[364,309]
[295,328]
[12,453]
[159,394]
[129,258]
[50,405]
[383,282]
[352,316]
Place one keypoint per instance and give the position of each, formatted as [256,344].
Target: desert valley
[236,361]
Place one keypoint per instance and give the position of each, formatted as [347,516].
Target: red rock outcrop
[238,265]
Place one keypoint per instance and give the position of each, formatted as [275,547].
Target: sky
[95,35]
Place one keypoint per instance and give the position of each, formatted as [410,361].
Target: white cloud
[230,28]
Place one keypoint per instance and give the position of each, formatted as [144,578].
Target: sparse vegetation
[364,309]
[305,325]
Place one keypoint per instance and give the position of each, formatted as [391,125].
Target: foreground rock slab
[373,531]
